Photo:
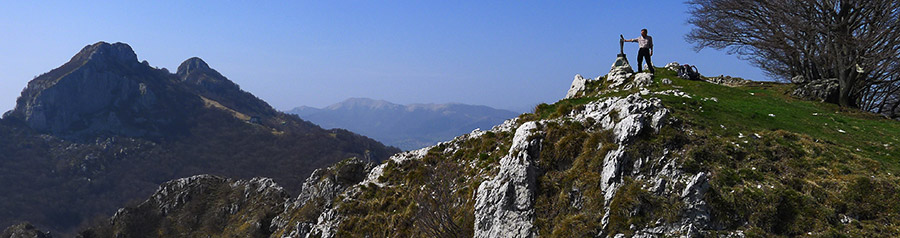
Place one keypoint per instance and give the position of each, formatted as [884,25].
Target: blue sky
[504,54]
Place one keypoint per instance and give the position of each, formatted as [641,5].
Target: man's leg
[640,58]
[649,64]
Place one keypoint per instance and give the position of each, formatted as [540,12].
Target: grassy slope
[800,177]
[746,110]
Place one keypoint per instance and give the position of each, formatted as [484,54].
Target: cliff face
[104,90]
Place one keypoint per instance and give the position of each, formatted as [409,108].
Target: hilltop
[408,127]
[104,129]
[624,154]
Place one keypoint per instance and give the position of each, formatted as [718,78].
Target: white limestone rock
[617,77]
[577,86]
[504,205]
[641,80]
[673,66]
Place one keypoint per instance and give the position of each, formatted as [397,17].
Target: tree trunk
[846,80]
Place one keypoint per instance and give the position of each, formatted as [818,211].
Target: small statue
[621,46]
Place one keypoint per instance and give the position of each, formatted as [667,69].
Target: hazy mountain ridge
[105,129]
[410,126]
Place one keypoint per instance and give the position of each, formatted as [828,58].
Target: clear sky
[504,54]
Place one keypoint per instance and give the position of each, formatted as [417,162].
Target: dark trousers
[644,53]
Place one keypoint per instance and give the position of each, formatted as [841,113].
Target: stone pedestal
[622,61]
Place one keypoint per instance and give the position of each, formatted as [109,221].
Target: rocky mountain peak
[200,79]
[116,52]
[103,89]
[197,74]
[194,64]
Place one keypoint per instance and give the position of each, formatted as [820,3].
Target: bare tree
[437,203]
[855,41]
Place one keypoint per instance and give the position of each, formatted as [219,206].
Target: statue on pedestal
[621,60]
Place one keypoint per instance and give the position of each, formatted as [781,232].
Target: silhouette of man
[645,43]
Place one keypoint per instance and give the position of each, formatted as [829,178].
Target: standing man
[645,43]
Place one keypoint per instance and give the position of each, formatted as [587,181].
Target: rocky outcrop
[201,205]
[823,90]
[629,117]
[727,81]
[641,80]
[318,195]
[504,205]
[23,230]
[577,86]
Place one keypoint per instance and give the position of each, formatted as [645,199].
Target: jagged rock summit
[103,90]
[116,52]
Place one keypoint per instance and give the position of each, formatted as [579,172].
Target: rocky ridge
[504,203]
[199,205]
[23,230]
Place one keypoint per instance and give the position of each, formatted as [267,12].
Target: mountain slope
[633,155]
[407,126]
[105,129]
[641,155]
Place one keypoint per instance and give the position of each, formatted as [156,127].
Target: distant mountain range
[408,127]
